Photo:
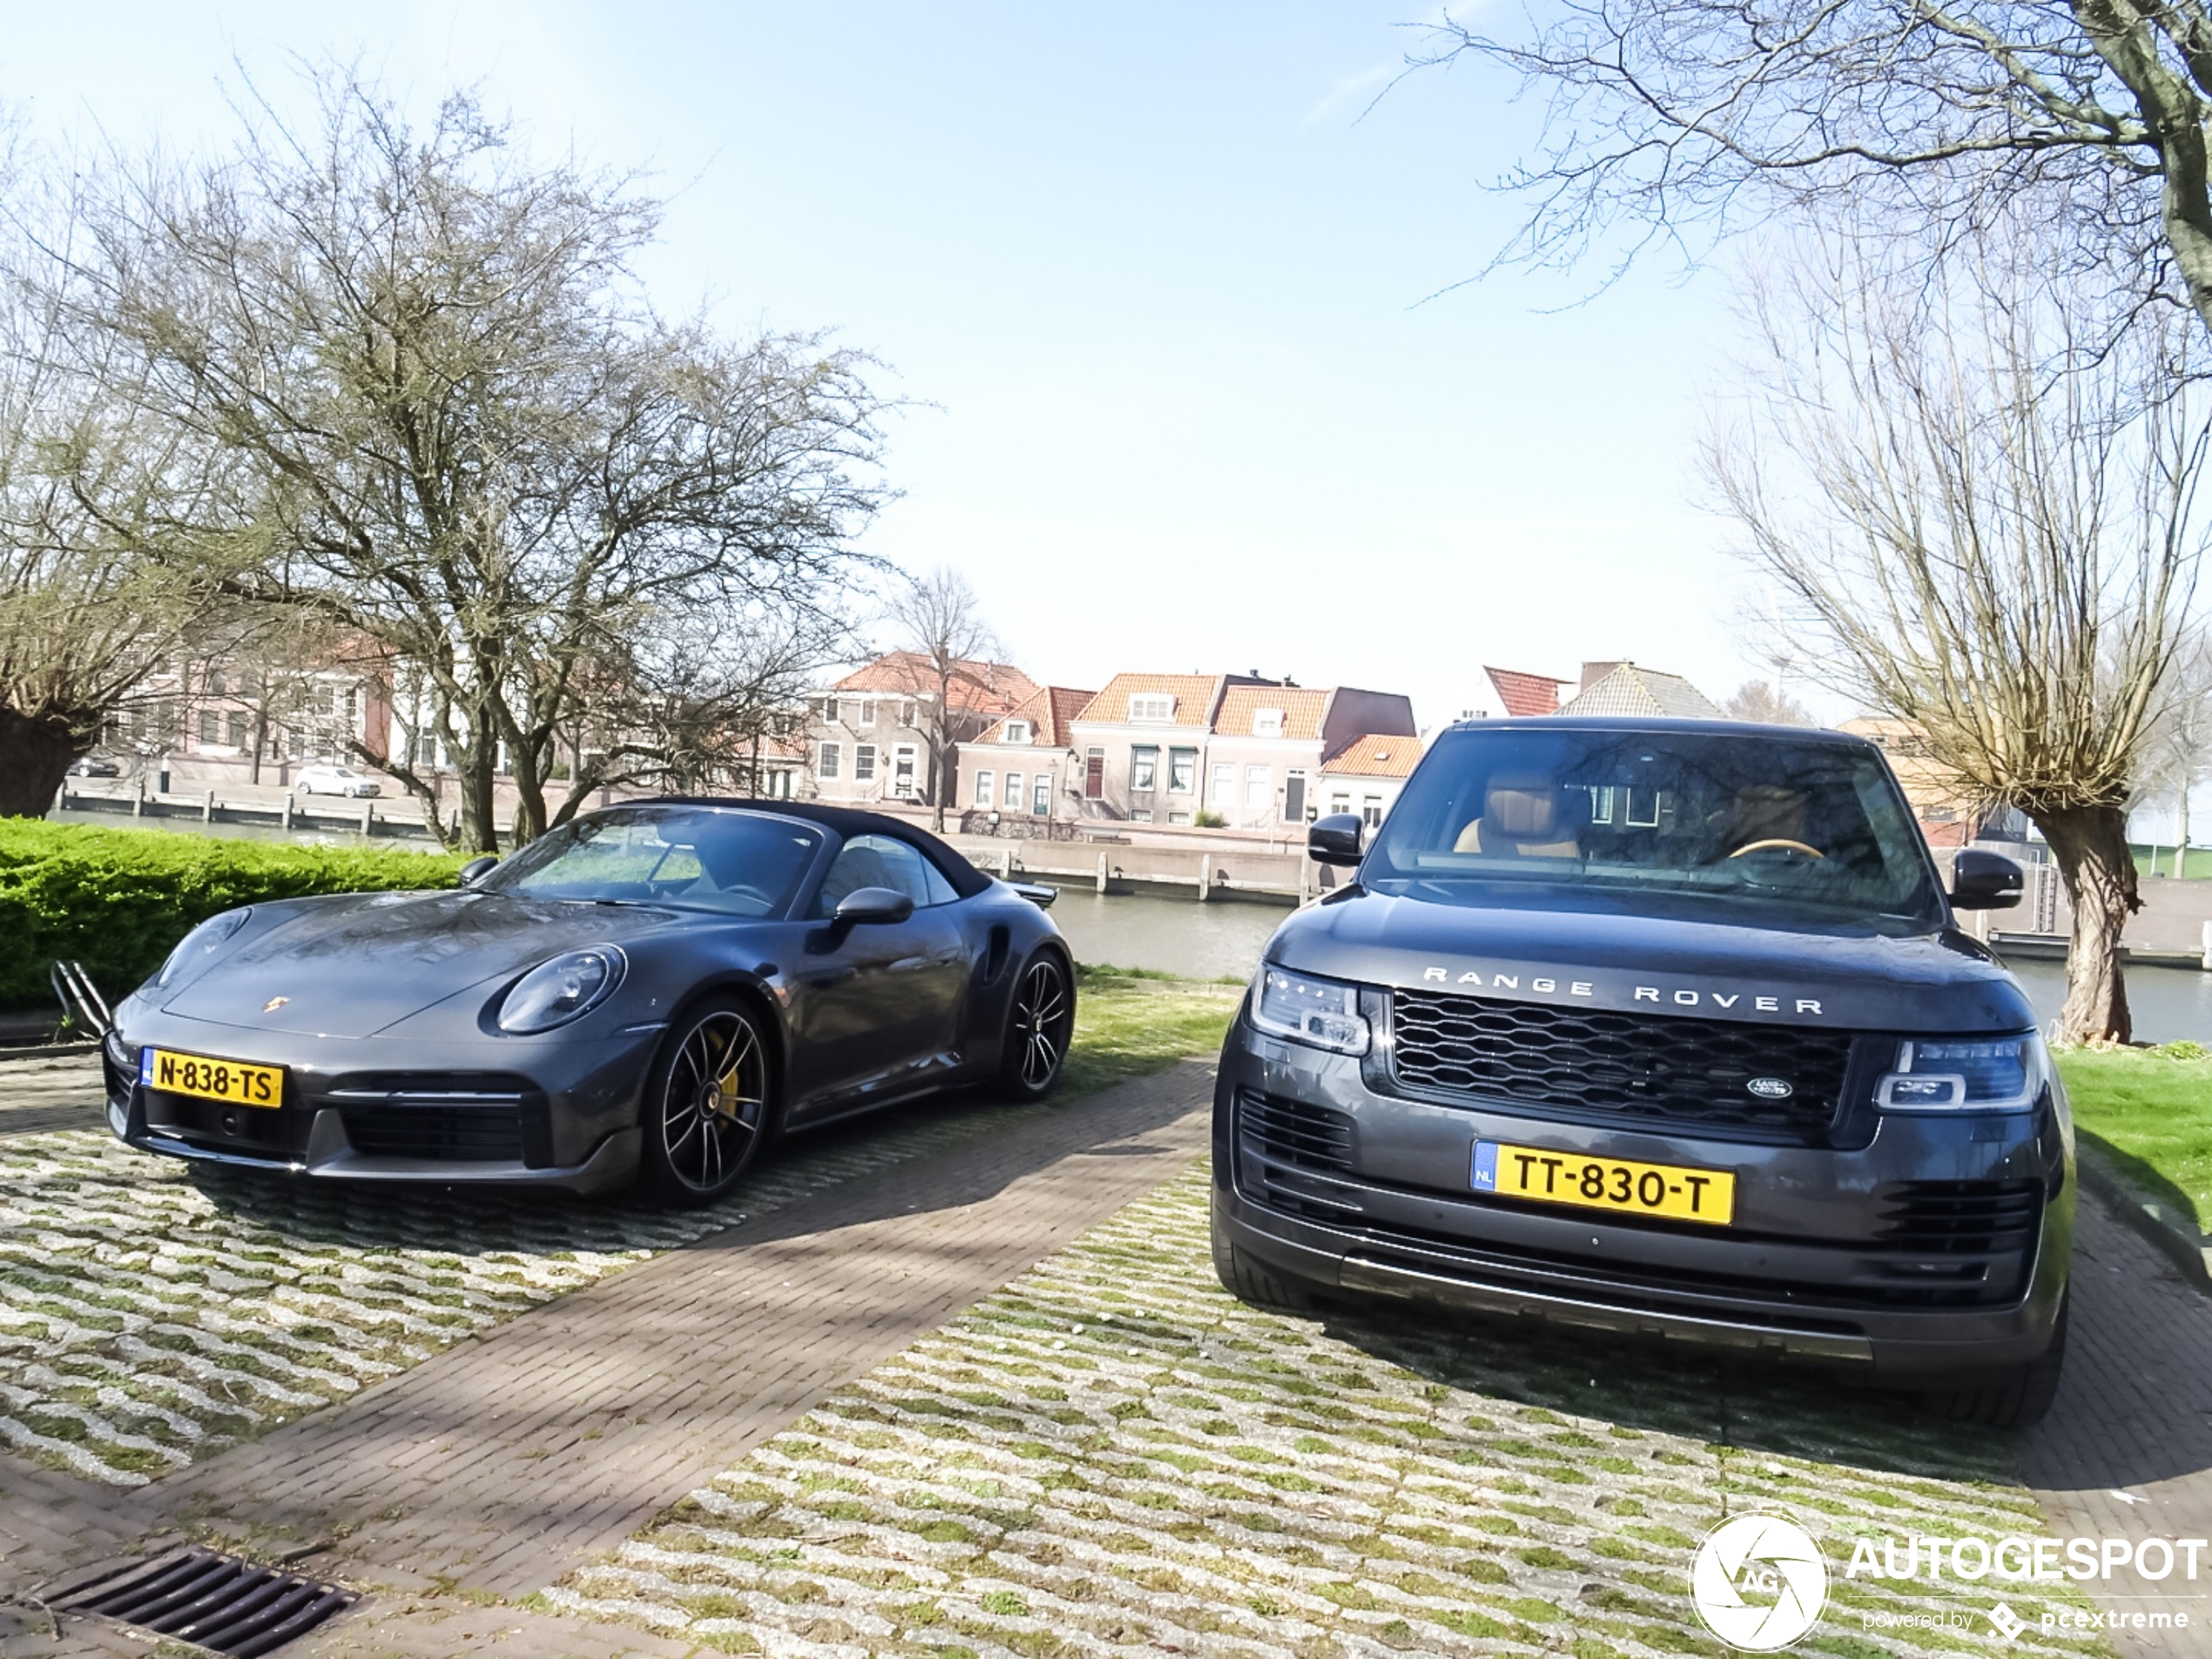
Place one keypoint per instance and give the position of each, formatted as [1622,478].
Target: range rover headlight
[201,943]
[564,988]
[1323,1012]
[1964,1075]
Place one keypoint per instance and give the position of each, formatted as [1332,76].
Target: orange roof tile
[1302,707]
[1526,694]
[1048,713]
[980,686]
[1193,695]
[1376,757]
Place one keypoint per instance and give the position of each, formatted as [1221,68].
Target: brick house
[870,739]
[1245,750]
[1026,764]
[1365,775]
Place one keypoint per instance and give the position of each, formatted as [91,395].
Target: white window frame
[829,761]
[1259,788]
[1010,793]
[984,786]
[1151,708]
[1147,756]
[1224,786]
[1017,732]
[1041,796]
[902,770]
[1267,723]
[1189,755]
[864,763]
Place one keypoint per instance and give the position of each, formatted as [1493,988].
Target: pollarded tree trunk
[2090,846]
[35,753]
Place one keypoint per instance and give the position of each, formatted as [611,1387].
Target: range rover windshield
[1781,823]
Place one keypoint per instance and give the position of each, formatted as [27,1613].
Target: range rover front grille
[1642,1069]
[1292,1133]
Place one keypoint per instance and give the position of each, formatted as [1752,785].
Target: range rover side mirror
[865,904]
[1983,880]
[1336,839]
[476,869]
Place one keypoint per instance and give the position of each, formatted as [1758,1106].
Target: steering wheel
[1777,844]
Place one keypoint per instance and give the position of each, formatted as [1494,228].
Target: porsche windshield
[697,858]
[1778,822]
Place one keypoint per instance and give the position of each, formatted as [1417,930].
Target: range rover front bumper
[1873,1256]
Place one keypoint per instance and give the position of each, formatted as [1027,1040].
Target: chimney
[1593,672]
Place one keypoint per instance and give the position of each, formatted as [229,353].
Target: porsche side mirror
[1983,880]
[865,904]
[476,869]
[1336,839]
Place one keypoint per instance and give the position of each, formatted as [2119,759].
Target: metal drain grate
[216,1601]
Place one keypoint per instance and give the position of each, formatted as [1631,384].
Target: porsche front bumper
[554,1114]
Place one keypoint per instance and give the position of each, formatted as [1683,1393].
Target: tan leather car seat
[1529,817]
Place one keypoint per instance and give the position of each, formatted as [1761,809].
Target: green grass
[2151,1115]
[2200,860]
[1130,1024]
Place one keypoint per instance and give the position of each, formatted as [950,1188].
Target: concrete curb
[2173,1236]
[49,1051]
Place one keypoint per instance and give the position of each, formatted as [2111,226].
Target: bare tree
[1990,531]
[1766,703]
[2180,754]
[478,449]
[945,661]
[99,590]
[1676,119]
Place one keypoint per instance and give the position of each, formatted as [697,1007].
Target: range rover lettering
[1662,1027]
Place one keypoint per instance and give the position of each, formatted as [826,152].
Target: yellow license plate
[1605,1183]
[231,1081]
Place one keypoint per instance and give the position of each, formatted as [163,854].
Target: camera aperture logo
[1759,1582]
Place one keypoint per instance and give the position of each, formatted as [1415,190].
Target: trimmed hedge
[118,900]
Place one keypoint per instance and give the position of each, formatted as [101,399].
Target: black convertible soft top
[845,822]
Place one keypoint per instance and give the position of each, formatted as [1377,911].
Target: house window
[867,711]
[1183,770]
[1017,732]
[1094,774]
[1012,798]
[208,728]
[1224,785]
[1151,708]
[902,770]
[426,752]
[1144,761]
[238,729]
[1178,818]
[1142,815]
[1294,798]
[828,759]
[982,790]
[1041,797]
[907,713]
[1259,788]
[1339,802]
[864,763]
[1267,723]
[1370,811]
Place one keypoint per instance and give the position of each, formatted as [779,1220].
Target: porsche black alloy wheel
[1038,1027]
[707,1106]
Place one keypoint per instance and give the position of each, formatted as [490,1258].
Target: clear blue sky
[1158,282]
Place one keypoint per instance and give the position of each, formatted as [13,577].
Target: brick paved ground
[2127,1450]
[495,1466]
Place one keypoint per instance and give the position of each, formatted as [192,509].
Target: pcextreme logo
[1759,1582]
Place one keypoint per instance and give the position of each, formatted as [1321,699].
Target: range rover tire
[1039,1022]
[709,1105]
[1248,1282]
[2016,1398]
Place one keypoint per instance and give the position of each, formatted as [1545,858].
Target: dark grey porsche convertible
[649,993]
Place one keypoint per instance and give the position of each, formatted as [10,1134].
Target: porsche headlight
[556,992]
[193,951]
[1323,1012]
[1964,1075]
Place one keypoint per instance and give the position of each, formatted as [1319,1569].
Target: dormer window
[1267,723]
[1151,708]
[1017,732]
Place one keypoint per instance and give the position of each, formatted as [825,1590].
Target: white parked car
[336,780]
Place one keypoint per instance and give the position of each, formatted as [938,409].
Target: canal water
[1224,939]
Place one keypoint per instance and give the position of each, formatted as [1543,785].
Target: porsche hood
[352,965]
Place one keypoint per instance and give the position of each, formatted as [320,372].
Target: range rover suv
[1660,1027]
